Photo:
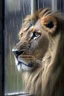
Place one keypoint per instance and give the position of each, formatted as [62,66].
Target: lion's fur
[48,79]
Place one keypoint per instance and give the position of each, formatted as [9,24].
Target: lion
[40,53]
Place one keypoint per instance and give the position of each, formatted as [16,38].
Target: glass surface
[15,12]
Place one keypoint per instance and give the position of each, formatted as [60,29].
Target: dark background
[15,29]
[1,48]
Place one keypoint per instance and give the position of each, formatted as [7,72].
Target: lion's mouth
[22,63]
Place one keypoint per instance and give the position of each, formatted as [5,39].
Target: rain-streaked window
[15,12]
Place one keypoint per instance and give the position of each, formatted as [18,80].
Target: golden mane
[48,79]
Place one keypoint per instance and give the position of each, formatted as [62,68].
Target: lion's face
[34,40]
[32,46]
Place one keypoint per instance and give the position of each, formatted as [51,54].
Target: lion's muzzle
[22,60]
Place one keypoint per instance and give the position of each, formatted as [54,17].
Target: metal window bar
[34,6]
[18,94]
[54,5]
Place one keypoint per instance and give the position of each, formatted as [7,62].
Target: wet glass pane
[15,12]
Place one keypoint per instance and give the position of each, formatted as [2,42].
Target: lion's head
[40,53]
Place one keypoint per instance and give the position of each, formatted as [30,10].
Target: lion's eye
[35,35]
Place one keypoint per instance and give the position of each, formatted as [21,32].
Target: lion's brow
[32,22]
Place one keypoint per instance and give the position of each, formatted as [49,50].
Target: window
[15,11]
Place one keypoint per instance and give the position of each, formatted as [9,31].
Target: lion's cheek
[39,47]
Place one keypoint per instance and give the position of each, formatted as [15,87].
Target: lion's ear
[49,23]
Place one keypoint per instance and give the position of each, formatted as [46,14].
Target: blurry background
[15,12]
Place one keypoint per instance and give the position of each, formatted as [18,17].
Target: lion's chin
[22,65]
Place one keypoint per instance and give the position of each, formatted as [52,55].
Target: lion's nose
[17,52]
